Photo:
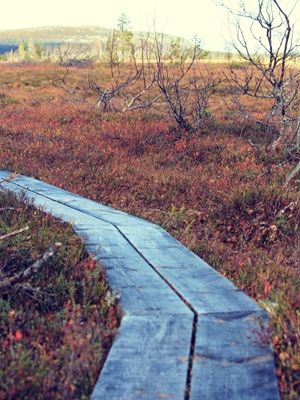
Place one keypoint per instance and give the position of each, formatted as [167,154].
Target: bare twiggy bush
[185,83]
[124,93]
[154,69]
[70,88]
[269,74]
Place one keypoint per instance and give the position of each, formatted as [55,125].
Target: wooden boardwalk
[187,332]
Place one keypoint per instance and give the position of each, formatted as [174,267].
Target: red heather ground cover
[206,188]
[56,326]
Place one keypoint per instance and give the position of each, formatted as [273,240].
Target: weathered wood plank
[141,288]
[71,199]
[198,283]
[149,360]
[142,291]
[4,174]
[230,362]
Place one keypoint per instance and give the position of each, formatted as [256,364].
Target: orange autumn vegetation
[209,188]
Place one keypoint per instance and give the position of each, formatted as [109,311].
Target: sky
[184,18]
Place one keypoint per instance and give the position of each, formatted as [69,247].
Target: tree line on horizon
[119,43]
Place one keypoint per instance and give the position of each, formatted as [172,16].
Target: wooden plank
[149,360]
[73,200]
[143,291]
[196,282]
[230,362]
[157,329]
[137,300]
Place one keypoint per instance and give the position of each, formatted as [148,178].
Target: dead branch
[38,295]
[292,174]
[61,83]
[38,266]
[130,104]
[11,177]
[14,233]
[270,74]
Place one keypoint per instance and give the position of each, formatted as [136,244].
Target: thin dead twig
[14,233]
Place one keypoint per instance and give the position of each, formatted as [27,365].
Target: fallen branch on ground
[14,233]
[48,257]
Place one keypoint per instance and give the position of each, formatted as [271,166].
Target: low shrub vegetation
[56,327]
[212,188]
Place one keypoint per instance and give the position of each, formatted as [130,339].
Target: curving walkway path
[187,332]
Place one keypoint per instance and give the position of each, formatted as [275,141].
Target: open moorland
[220,188]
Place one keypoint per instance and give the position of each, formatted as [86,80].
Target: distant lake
[5,48]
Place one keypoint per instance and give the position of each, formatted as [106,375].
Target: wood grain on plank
[149,358]
[232,360]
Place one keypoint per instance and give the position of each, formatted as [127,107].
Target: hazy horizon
[162,16]
[206,20]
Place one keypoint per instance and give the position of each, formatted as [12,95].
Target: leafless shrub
[185,83]
[270,74]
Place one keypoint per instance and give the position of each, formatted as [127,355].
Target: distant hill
[55,35]
[52,35]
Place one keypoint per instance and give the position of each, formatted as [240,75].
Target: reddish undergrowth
[208,188]
[56,325]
